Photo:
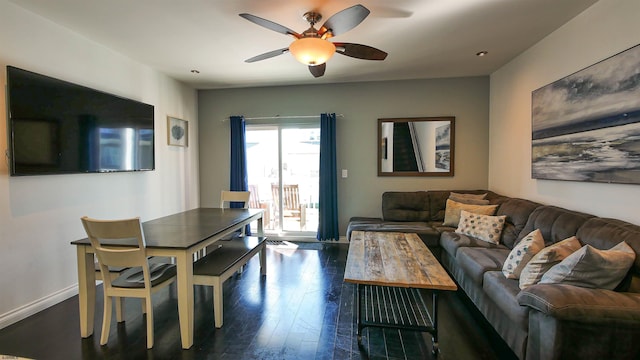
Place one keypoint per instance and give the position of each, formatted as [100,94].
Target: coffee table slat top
[394,259]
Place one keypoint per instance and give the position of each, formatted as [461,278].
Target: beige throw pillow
[468,200]
[522,253]
[593,268]
[483,227]
[468,196]
[545,259]
[453,209]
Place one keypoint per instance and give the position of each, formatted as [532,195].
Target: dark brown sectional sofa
[543,321]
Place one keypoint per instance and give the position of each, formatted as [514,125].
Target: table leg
[263,260]
[434,338]
[261,226]
[263,252]
[86,289]
[184,285]
[358,321]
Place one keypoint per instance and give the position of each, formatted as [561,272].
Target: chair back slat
[122,257]
[235,196]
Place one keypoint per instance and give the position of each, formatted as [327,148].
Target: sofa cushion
[545,259]
[452,241]
[592,268]
[604,233]
[454,209]
[522,253]
[484,227]
[405,206]
[517,212]
[583,305]
[504,293]
[555,223]
[428,234]
[362,224]
[475,261]
[441,228]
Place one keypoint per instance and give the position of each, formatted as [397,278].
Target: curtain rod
[283,117]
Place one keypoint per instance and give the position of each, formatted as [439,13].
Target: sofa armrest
[572,303]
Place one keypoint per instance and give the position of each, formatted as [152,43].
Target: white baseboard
[36,306]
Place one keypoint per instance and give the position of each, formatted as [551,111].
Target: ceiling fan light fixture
[312,50]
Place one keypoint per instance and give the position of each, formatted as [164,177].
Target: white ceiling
[424,38]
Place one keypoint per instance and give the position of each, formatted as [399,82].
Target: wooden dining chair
[120,243]
[228,197]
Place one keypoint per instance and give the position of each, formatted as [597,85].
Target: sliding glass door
[283,170]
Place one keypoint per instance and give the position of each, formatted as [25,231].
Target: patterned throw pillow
[545,259]
[522,253]
[593,268]
[453,209]
[484,227]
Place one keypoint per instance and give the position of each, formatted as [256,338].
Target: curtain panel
[238,179]
[328,197]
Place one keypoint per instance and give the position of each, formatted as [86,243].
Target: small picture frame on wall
[177,132]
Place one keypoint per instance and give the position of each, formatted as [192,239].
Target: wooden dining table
[178,236]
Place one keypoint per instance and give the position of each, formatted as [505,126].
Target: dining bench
[228,256]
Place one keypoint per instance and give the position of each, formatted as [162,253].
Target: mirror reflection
[416,146]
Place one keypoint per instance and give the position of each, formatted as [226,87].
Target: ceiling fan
[312,46]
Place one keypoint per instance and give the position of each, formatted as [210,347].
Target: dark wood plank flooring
[301,310]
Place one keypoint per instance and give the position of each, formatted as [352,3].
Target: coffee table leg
[434,338]
[357,299]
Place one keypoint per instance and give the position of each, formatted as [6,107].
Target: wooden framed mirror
[416,146]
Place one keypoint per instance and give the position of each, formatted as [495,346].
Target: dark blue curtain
[238,180]
[328,197]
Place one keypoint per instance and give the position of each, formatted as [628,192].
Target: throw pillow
[522,253]
[545,259]
[593,268]
[468,200]
[453,209]
[484,227]
[469,196]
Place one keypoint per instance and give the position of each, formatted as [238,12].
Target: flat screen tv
[56,127]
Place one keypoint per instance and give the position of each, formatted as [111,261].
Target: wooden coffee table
[389,269]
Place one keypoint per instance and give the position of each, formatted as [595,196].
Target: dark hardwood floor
[301,310]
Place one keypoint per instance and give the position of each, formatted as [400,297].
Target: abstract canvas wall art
[586,126]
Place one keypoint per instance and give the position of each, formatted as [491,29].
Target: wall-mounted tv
[56,127]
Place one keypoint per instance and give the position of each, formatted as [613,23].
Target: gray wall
[606,28]
[361,104]
[40,215]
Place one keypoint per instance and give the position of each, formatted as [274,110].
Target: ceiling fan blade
[267,55]
[317,70]
[359,51]
[270,25]
[344,20]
